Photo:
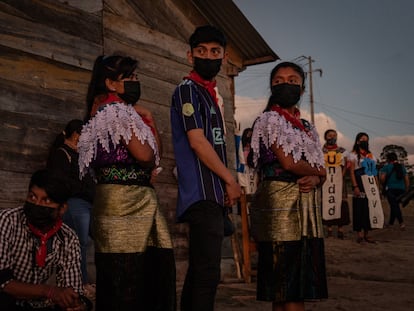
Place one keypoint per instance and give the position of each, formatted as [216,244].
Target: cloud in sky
[248,109]
[365,50]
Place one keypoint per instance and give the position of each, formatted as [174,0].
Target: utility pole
[311,90]
[310,71]
[311,87]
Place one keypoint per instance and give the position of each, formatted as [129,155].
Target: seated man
[34,245]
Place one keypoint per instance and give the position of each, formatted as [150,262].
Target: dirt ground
[368,277]
[373,277]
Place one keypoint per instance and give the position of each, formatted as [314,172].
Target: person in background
[362,162]
[134,258]
[35,245]
[205,184]
[63,159]
[247,176]
[394,179]
[286,213]
[332,152]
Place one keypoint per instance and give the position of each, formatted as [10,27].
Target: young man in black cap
[34,243]
[205,184]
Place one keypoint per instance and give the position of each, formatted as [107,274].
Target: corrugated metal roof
[239,31]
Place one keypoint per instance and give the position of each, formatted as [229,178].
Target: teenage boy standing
[205,184]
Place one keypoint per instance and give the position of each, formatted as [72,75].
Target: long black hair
[73,126]
[247,136]
[112,67]
[356,147]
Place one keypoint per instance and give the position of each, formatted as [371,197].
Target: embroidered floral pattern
[272,128]
[116,121]
[131,174]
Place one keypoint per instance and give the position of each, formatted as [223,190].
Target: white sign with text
[376,214]
[332,193]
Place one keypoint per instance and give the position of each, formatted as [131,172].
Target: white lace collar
[114,122]
[272,128]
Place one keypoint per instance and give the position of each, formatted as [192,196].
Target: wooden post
[245,238]
[236,251]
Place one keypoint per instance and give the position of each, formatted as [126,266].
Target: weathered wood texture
[47,50]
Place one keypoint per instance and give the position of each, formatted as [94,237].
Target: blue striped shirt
[194,108]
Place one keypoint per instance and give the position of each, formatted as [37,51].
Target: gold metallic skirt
[127,219]
[281,213]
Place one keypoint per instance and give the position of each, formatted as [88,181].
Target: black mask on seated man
[40,216]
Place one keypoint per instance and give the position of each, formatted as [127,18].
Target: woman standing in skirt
[334,153]
[135,268]
[362,162]
[286,214]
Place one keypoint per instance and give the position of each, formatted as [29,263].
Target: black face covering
[40,216]
[363,145]
[132,92]
[285,95]
[331,141]
[207,68]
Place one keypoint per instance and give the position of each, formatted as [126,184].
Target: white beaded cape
[270,127]
[114,123]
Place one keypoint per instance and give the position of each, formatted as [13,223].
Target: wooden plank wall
[45,61]
[47,50]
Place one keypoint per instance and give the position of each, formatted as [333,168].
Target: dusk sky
[365,49]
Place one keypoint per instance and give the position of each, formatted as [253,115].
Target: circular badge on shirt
[188,109]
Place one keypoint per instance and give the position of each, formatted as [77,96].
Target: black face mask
[331,141]
[40,216]
[285,95]
[132,92]
[207,68]
[363,145]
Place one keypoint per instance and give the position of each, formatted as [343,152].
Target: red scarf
[104,100]
[209,85]
[294,119]
[42,250]
[331,147]
[364,154]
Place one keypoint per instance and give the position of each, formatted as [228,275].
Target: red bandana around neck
[209,85]
[42,250]
[331,147]
[294,119]
[98,103]
[112,97]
